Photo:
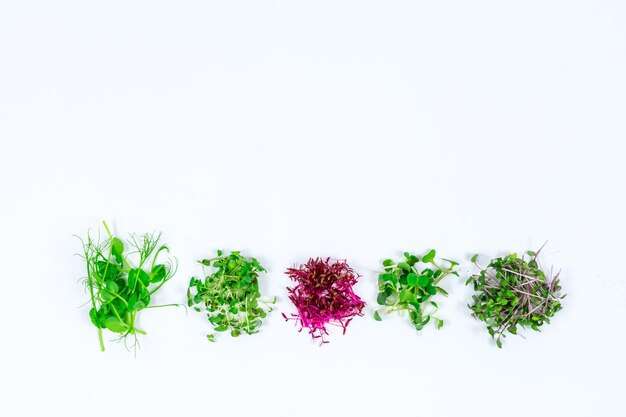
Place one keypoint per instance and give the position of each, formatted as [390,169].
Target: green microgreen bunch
[121,283]
[514,292]
[405,286]
[230,294]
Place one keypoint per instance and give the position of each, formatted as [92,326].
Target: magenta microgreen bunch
[324,295]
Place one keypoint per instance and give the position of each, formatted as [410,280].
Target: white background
[289,129]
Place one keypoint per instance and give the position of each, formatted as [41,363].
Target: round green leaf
[115,325]
[158,273]
[382,297]
[143,277]
[117,246]
[112,286]
[422,281]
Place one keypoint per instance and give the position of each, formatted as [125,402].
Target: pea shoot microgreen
[514,292]
[230,294]
[121,283]
[404,286]
[324,295]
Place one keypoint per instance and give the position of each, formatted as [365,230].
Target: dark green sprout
[119,288]
[513,292]
[230,294]
[405,286]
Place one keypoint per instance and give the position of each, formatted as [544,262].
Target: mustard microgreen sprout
[409,286]
[514,292]
[323,295]
[230,294]
[121,279]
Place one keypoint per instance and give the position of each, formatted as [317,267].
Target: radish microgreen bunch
[323,295]
[230,294]
[514,292]
[405,286]
[121,283]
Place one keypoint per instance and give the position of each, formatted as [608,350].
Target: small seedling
[514,292]
[323,295]
[404,286]
[122,283]
[230,294]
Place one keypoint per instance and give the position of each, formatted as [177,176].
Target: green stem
[106,227]
[100,339]
[163,305]
[394,308]
[93,298]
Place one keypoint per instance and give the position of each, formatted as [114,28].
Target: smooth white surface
[288,129]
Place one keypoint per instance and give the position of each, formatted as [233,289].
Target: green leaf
[382,298]
[429,257]
[117,249]
[131,301]
[158,273]
[423,281]
[416,317]
[132,278]
[377,316]
[143,277]
[412,260]
[115,325]
[441,291]
[412,279]
[385,278]
[451,262]
[406,296]
[474,258]
[93,315]
[106,295]
[112,287]
[405,266]
[144,296]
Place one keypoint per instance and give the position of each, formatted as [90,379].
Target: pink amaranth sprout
[323,295]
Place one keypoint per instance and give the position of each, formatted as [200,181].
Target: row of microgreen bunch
[511,291]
